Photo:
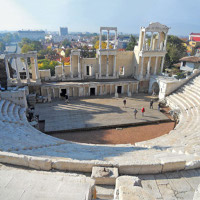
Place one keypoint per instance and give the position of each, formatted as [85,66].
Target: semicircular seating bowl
[21,144]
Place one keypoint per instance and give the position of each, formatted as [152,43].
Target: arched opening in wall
[155,88]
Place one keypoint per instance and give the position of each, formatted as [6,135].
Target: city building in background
[32,35]
[63,31]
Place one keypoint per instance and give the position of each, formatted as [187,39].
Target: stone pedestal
[104,175]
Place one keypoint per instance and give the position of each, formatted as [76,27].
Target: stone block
[104,175]
[67,165]
[134,193]
[197,194]
[126,181]
[39,163]
[173,166]
[193,164]
[134,169]
[14,159]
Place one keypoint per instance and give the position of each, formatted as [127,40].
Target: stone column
[63,71]
[53,92]
[73,92]
[17,71]
[108,39]
[165,42]
[7,69]
[116,94]
[144,37]
[162,64]
[36,70]
[158,44]
[114,66]
[79,67]
[141,69]
[107,66]
[71,69]
[99,66]
[122,88]
[155,69]
[100,89]
[100,39]
[110,89]
[116,39]
[27,70]
[148,68]
[151,44]
[128,90]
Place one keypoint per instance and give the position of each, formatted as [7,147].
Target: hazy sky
[88,15]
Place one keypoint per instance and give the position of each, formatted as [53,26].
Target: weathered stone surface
[125,181]
[197,194]
[14,159]
[134,193]
[104,175]
[72,165]
[134,169]
[173,166]
[39,163]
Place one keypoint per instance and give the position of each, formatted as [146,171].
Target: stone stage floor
[96,112]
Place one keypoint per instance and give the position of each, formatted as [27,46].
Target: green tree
[67,52]
[175,50]
[26,48]
[66,43]
[24,41]
[36,45]
[131,44]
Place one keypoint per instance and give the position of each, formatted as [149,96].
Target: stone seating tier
[22,144]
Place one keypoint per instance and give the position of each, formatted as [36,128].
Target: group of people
[151,105]
[135,111]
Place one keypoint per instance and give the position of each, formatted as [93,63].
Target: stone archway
[155,88]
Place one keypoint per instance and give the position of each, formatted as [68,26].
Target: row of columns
[82,90]
[17,69]
[149,66]
[71,67]
[151,43]
[107,66]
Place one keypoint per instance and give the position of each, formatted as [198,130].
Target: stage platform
[97,112]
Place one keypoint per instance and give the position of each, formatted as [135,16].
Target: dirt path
[118,136]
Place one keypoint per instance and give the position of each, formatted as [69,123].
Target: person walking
[151,104]
[143,111]
[124,102]
[135,112]
[66,98]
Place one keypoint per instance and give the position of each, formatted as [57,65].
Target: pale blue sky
[88,15]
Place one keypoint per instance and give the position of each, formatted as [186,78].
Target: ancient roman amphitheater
[39,166]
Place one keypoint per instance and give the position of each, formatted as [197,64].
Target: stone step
[105,191]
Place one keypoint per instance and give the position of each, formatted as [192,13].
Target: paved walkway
[22,184]
[172,186]
[96,112]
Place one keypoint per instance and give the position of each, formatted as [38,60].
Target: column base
[141,77]
[28,80]
[148,76]
[38,81]
[116,95]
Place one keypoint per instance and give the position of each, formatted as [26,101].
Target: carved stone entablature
[157,27]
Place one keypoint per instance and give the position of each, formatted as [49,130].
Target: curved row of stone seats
[155,156]
[184,136]
[16,133]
